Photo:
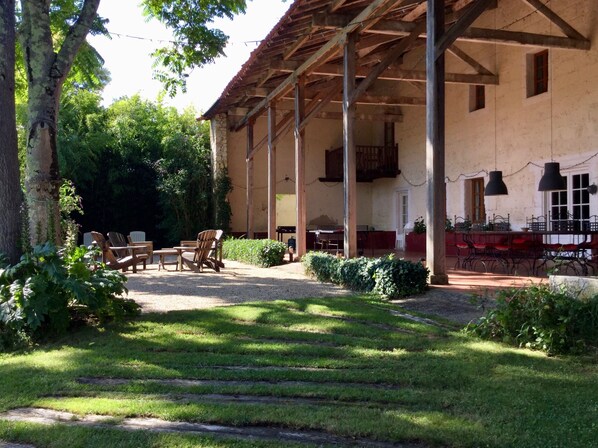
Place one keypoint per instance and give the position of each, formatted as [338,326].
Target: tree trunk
[46,70]
[10,188]
[42,176]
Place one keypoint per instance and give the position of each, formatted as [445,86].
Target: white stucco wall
[523,132]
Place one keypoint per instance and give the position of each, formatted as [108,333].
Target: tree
[46,71]
[10,188]
[49,57]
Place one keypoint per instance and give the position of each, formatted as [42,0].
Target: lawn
[346,368]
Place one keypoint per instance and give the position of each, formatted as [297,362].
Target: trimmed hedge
[389,277]
[540,318]
[264,253]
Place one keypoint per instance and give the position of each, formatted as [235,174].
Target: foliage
[345,367]
[264,253]
[196,43]
[222,187]
[389,277]
[69,203]
[419,226]
[138,165]
[39,294]
[540,318]
[448,225]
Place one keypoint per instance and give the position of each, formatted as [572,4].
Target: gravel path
[161,291]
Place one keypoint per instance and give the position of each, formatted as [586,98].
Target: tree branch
[76,36]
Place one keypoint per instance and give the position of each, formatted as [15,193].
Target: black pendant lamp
[552,179]
[496,186]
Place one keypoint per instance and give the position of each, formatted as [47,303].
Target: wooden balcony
[373,162]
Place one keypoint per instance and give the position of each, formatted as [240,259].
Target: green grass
[370,375]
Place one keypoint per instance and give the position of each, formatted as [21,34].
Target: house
[336,111]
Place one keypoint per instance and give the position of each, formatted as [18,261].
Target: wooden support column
[271,172]
[435,155]
[300,166]
[349,156]
[250,228]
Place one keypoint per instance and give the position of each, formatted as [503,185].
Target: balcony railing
[373,162]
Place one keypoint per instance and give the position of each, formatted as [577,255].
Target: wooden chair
[137,238]
[199,256]
[216,252]
[112,260]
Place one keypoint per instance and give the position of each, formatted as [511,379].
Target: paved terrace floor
[163,291]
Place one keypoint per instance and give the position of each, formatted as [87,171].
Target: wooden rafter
[322,53]
[396,74]
[469,60]
[481,35]
[567,29]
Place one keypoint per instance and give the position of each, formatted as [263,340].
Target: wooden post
[250,229]
[271,172]
[300,167]
[435,157]
[349,166]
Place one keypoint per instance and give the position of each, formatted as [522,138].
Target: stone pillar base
[439,279]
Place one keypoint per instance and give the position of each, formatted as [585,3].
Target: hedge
[536,317]
[264,253]
[389,277]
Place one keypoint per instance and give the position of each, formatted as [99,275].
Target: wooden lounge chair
[199,256]
[137,238]
[112,260]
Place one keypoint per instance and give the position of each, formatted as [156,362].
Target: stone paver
[49,417]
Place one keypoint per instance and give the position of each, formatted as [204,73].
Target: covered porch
[360,73]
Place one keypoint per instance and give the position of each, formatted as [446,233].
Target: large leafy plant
[40,295]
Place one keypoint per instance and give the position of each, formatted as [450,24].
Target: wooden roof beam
[481,35]
[395,74]
[324,52]
[567,29]
[456,51]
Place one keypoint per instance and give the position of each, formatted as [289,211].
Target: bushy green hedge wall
[264,253]
[389,277]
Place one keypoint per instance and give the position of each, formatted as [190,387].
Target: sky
[130,64]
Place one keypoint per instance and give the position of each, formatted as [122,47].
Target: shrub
[40,295]
[389,277]
[264,253]
[540,318]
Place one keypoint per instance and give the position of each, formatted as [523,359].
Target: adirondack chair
[115,262]
[199,256]
[137,238]
[216,252]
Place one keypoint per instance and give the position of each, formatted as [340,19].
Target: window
[570,208]
[477,98]
[537,73]
[478,208]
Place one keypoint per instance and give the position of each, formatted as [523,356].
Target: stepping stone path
[14,445]
[219,383]
[50,417]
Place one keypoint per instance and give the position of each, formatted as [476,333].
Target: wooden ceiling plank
[296,46]
[416,12]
